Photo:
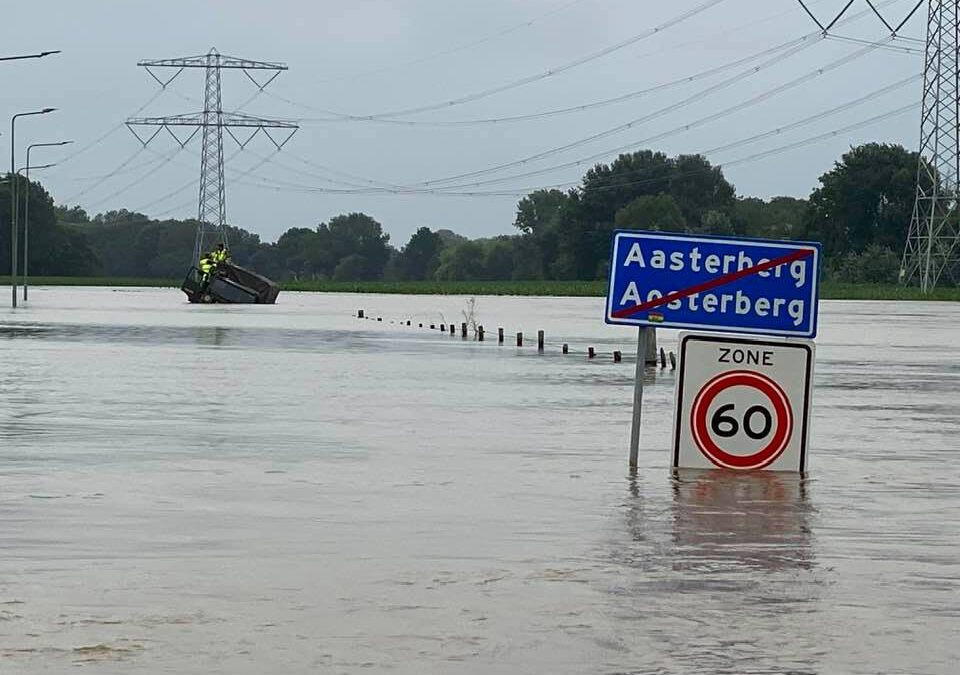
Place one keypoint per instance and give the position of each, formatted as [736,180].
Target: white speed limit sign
[742,404]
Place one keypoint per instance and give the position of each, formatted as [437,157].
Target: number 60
[727,426]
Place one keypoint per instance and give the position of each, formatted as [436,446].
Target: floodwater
[288,489]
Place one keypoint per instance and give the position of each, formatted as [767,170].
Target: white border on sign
[805,432]
[808,332]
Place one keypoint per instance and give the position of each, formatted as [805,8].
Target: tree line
[860,211]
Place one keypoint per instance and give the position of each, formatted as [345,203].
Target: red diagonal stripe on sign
[712,283]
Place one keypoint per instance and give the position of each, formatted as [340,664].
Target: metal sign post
[642,337]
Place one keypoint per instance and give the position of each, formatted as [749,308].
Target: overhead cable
[730,110]
[163,160]
[107,176]
[453,50]
[778,131]
[888,45]
[109,132]
[680,81]
[800,44]
[910,107]
[192,182]
[467,98]
[805,43]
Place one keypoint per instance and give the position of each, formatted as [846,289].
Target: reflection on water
[722,577]
[747,520]
[211,336]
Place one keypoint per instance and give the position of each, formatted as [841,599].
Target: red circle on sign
[783,420]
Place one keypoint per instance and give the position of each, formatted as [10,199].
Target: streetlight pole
[26,209]
[14,199]
[29,56]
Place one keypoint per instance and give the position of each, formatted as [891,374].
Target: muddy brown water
[289,489]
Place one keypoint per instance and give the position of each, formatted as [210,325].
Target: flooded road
[289,489]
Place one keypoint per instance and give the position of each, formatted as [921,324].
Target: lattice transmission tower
[213,121]
[933,242]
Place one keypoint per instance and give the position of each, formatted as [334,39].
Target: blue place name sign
[714,283]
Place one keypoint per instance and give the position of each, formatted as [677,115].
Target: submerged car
[230,283]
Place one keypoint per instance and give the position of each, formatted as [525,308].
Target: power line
[745,141]
[110,131]
[454,50]
[910,107]
[189,184]
[887,45]
[817,117]
[363,182]
[680,18]
[684,127]
[163,160]
[686,79]
[648,117]
[334,117]
[294,187]
[129,169]
[182,188]
[105,177]
[801,43]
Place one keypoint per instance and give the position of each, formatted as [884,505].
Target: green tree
[462,262]
[699,189]
[420,258]
[874,265]
[498,259]
[659,213]
[585,222]
[538,218]
[779,218]
[352,268]
[358,234]
[54,248]
[867,198]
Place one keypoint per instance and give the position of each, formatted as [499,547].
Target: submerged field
[575,289]
[250,490]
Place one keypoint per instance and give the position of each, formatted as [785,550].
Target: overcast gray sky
[367,57]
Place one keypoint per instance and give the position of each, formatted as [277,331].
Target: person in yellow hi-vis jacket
[206,266]
[221,255]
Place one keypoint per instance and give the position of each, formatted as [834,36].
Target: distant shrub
[874,265]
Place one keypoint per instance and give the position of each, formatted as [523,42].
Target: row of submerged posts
[652,356]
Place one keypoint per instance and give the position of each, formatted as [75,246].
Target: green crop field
[829,291]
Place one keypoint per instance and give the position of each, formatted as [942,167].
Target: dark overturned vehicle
[230,283]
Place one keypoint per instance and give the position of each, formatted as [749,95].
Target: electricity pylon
[213,121]
[932,242]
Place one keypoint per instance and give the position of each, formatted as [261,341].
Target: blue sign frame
[714,283]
